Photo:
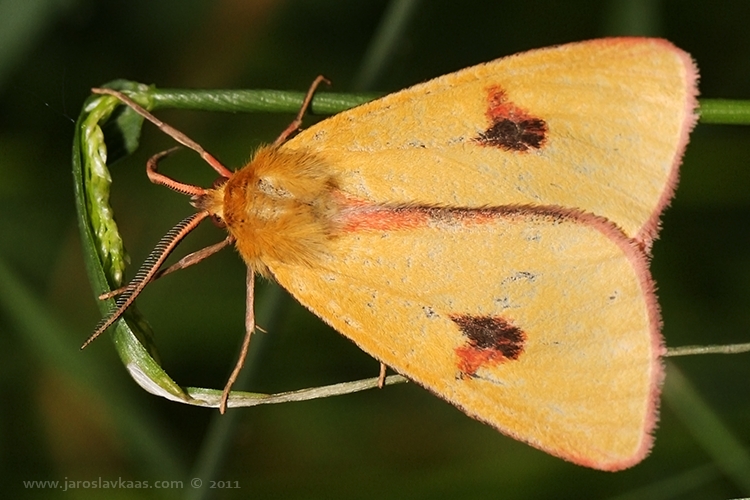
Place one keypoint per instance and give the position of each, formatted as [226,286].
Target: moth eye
[218,221]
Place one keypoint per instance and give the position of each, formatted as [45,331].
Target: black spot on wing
[521,135]
[511,127]
[489,340]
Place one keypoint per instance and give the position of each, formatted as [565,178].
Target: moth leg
[186,261]
[297,122]
[169,130]
[381,376]
[249,329]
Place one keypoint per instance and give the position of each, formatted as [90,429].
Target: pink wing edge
[641,244]
[639,259]
[638,248]
[650,229]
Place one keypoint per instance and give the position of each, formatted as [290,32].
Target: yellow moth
[486,234]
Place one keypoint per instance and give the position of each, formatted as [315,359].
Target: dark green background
[400,442]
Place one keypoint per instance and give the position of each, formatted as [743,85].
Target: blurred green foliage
[78,415]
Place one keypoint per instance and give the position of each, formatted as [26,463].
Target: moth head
[212,201]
